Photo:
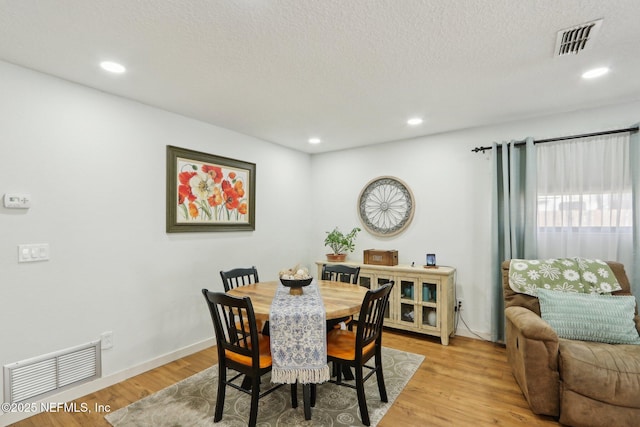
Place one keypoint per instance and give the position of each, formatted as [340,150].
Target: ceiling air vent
[576,39]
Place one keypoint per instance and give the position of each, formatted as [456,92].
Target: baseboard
[104,382]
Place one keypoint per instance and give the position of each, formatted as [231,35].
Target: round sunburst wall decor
[386,206]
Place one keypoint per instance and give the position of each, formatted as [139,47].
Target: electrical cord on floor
[459,317]
[455,323]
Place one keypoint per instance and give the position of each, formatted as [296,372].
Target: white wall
[452,189]
[94,165]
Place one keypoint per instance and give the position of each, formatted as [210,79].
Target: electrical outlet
[459,304]
[107,340]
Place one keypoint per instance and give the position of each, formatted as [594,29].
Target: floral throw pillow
[580,275]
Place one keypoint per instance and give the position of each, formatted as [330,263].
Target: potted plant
[340,243]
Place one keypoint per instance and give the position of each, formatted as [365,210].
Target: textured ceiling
[350,72]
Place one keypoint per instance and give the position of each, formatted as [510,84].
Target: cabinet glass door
[382,280]
[429,317]
[407,289]
[407,313]
[365,281]
[429,298]
[407,294]
[429,292]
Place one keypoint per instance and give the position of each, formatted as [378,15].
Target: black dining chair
[232,279]
[345,274]
[239,277]
[340,273]
[355,349]
[241,348]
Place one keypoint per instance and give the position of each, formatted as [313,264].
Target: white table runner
[298,333]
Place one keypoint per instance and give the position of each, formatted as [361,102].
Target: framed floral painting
[209,193]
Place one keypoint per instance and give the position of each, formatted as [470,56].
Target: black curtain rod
[562,138]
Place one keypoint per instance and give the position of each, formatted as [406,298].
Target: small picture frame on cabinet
[431,261]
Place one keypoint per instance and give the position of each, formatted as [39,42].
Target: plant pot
[336,257]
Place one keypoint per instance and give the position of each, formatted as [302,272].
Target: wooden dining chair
[239,277]
[354,349]
[345,274]
[340,273]
[236,333]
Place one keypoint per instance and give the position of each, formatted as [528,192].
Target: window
[584,198]
[585,210]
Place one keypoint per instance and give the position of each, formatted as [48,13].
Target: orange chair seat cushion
[341,344]
[264,344]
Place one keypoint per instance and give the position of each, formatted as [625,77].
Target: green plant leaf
[339,242]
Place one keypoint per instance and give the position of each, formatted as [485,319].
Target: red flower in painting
[231,202]
[185,177]
[184,189]
[232,175]
[184,192]
[230,195]
[215,172]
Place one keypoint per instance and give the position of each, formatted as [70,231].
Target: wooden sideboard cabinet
[422,299]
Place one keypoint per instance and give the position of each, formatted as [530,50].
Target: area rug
[191,402]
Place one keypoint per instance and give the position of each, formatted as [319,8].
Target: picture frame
[208,193]
[431,260]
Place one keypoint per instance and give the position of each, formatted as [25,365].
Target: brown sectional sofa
[583,383]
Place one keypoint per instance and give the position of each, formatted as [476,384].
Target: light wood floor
[467,383]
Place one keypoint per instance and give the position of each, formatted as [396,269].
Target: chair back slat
[340,273]
[239,277]
[371,316]
[234,323]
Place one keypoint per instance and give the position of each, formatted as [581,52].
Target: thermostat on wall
[17,201]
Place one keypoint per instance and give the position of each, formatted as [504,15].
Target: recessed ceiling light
[596,72]
[113,67]
[314,141]
[414,121]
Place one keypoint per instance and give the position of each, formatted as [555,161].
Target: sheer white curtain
[584,199]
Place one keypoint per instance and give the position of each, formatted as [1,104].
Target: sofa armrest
[530,325]
[532,351]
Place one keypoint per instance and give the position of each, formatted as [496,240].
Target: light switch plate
[17,201]
[33,252]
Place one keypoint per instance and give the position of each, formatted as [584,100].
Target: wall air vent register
[35,378]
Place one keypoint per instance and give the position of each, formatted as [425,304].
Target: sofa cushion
[600,318]
[603,372]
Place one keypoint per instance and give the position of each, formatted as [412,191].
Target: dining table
[339,300]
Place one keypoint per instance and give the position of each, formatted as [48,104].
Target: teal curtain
[513,217]
[634,164]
